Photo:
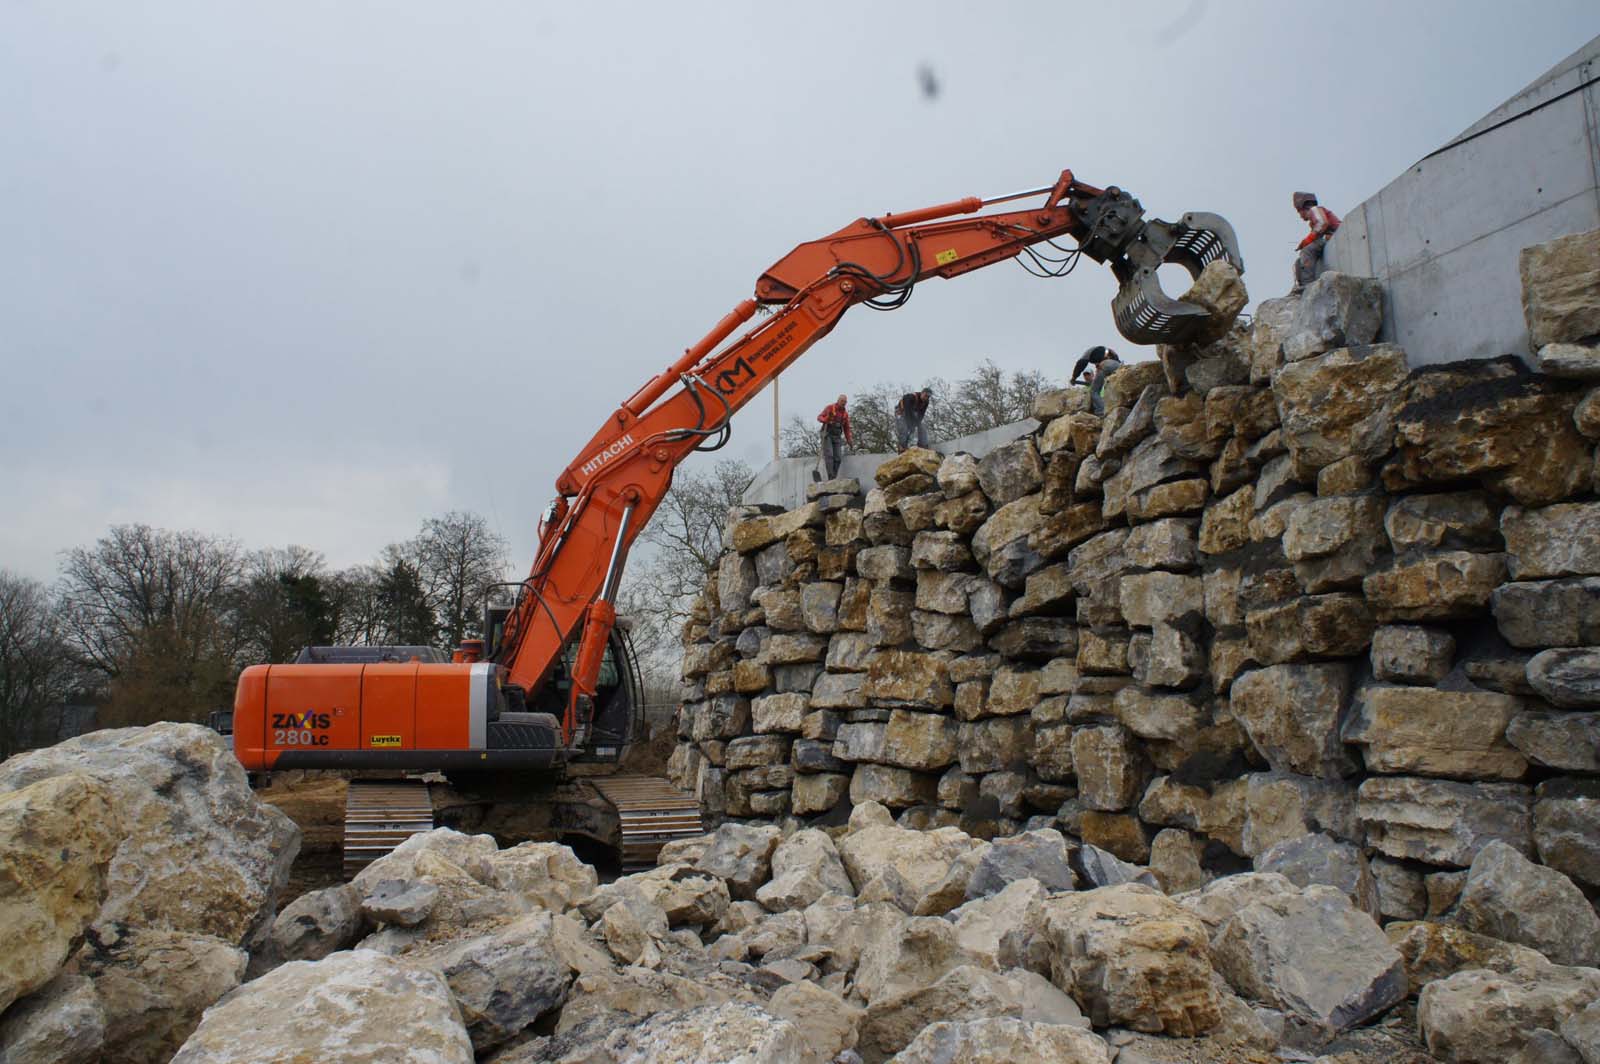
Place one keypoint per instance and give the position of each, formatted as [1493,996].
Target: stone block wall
[1284,584]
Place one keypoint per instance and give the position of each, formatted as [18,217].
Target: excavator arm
[614,486]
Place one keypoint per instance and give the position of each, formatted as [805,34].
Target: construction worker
[1096,366]
[908,415]
[1324,223]
[836,435]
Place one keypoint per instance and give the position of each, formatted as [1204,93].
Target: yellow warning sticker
[385,740]
[946,257]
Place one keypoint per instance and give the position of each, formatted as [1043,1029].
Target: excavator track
[652,813]
[381,814]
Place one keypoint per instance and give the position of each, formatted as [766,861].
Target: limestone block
[1440,586]
[1292,714]
[1560,540]
[1442,822]
[1110,766]
[1510,898]
[1335,310]
[1316,626]
[1548,613]
[1340,404]
[1566,827]
[1411,654]
[1568,677]
[1559,280]
[1493,422]
[1422,731]
[1314,956]
[1134,958]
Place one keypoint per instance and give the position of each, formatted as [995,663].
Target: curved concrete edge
[783,482]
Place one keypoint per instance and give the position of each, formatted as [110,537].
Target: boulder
[741,855]
[1509,897]
[1003,930]
[1340,404]
[1003,1040]
[827,1024]
[1102,868]
[1484,1017]
[1437,951]
[906,958]
[1216,903]
[1313,956]
[890,786]
[1292,713]
[805,867]
[1568,677]
[1428,732]
[963,993]
[317,923]
[1042,856]
[921,860]
[1011,471]
[153,986]
[1335,310]
[910,462]
[1111,767]
[1494,422]
[1281,806]
[62,1023]
[56,838]
[1559,280]
[194,848]
[1130,956]
[1442,822]
[1320,859]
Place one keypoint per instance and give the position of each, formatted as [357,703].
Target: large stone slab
[1442,586]
[1340,404]
[1427,732]
[1442,822]
[1314,956]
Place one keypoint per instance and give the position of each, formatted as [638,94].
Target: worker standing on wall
[908,415]
[836,435]
[1095,367]
[1324,223]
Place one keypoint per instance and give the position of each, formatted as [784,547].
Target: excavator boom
[613,487]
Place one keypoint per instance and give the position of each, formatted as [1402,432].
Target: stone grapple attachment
[1135,249]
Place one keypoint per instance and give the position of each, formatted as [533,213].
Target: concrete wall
[783,482]
[1445,236]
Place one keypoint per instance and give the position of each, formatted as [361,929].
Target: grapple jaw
[1135,249]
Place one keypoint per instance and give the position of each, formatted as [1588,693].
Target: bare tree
[989,398]
[36,678]
[458,558]
[681,545]
[149,610]
[284,603]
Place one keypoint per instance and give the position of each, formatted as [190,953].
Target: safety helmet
[1302,200]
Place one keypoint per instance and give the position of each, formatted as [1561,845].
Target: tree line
[149,624]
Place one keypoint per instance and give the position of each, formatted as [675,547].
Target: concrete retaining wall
[1444,236]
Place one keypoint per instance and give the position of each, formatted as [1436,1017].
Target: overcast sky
[311,272]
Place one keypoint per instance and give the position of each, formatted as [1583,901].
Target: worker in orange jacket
[1324,223]
[836,434]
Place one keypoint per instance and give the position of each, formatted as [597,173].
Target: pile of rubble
[139,873]
[1285,585]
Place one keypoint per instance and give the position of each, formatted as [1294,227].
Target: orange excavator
[552,686]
